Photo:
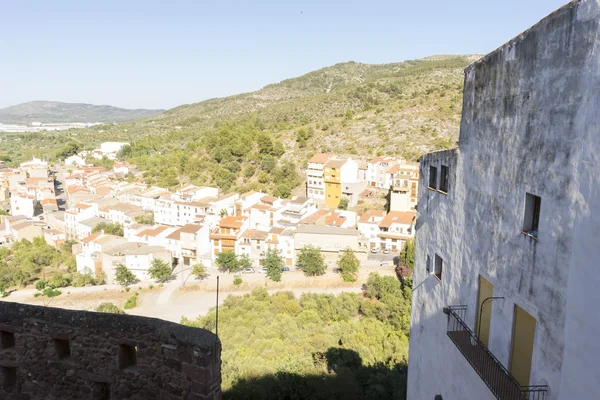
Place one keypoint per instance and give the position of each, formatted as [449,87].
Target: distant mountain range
[57,112]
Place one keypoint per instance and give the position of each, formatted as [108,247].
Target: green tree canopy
[146,218]
[407,255]
[228,261]
[110,308]
[273,262]
[123,276]
[311,261]
[343,203]
[348,265]
[199,271]
[110,228]
[160,270]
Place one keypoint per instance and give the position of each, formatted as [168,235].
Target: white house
[75,160]
[23,204]
[368,226]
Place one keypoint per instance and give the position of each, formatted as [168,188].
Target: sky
[161,54]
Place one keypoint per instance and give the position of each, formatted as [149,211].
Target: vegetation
[24,262]
[316,347]
[109,308]
[160,270]
[230,262]
[343,203]
[146,218]
[407,254]
[123,276]
[348,265]
[311,261]
[131,302]
[273,262]
[260,140]
[237,281]
[110,228]
[199,271]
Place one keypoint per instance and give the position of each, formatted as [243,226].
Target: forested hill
[57,112]
[261,140]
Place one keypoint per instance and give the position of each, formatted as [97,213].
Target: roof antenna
[217,316]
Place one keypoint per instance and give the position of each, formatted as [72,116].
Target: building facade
[315,185]
[505,278]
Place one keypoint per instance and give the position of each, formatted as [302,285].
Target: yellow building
[333,183]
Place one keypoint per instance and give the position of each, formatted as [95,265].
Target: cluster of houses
[194,224]
[106,149]
[329,179]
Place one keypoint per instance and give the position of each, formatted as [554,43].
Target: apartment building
[227,234]
[331,240]
[23,204]
[315,185]
[338,173]
[253,244]
[506,265]
[378,171]
[368,226]
[405,188]
[395,229]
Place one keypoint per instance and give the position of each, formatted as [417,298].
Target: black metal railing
[497,378]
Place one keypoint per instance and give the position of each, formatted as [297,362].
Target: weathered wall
[530,125]
[171,361]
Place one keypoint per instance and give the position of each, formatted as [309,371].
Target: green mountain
[262,140]
[57,112]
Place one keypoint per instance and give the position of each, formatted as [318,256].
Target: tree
[160,270]
[109,228]
[407,255]
[68,150]
[244,261]
[343,203]
[223,213]
[273,262]
[146,218]
[282,191]
[3,212]
[311,261]
[124,276]
[348,265]
[199,271]
[228,261]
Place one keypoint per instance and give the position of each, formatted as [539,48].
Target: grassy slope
[402,109]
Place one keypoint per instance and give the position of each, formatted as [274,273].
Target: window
[7,340]
[62,348]
[532,214]
[437,268]
[127,356]
[428,265]
[432,177]
[444,179]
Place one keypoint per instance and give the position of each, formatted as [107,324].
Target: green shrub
[41,284]
[109,308]
[51,292]
[237,281]
[131,302]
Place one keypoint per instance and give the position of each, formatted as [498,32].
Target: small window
[432,177]
[444,179]
[428,265]
[7,340]
[9,378]
[532,214]
[62,348]
[127,356]
[437,269]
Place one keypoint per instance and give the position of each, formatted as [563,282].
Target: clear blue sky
[160,54]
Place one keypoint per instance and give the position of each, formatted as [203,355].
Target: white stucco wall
[529,125]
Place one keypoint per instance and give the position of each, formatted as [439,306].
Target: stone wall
[51,353]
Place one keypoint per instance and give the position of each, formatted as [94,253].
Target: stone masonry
[51,353]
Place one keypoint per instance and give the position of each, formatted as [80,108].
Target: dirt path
[172,302]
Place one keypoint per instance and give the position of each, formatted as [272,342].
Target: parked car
[263,270]
[285,269]
[248,270]
[386,251]
[375,250]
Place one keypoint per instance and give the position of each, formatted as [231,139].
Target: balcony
[497,378]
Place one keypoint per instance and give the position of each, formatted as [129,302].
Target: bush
[41,284]
[109,228]
[237,281]
[131,302]
[80,280]
[109,308]
[273,263]
[348,265]
[58,281]
[51,292]
[199,271]
[124,276]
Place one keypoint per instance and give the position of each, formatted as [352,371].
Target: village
[193,225]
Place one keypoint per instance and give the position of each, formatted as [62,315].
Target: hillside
[261,140]
[57,112]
